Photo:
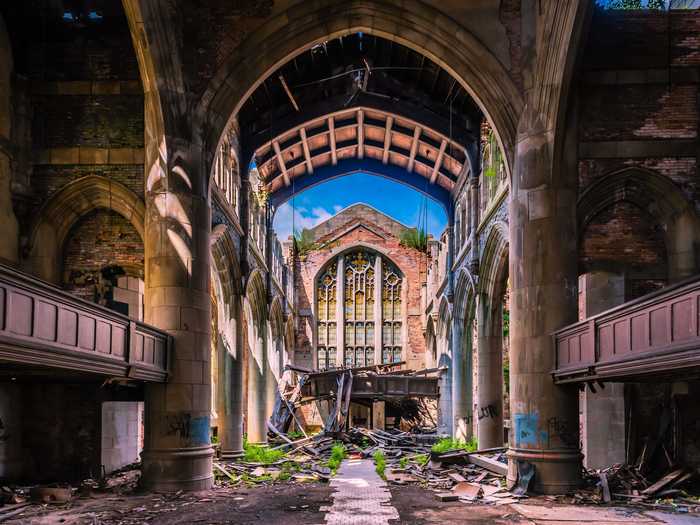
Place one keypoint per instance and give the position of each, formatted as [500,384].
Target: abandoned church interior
[359,261]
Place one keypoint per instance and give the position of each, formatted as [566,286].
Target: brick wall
[638,92]
[362,224]
[85,98]
[100,240]
[623,239]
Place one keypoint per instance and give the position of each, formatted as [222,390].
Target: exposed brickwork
[623,239]
[655,111]
[113,121]
[48,179]
[510,14]
[99,240]
[362,224]
[637,88]
[681,170]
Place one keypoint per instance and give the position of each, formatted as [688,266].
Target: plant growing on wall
[493,158]
[304,242]
[414,238]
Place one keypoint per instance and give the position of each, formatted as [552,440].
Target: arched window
[391,329]
[370,297]
[359,309]
[326,293]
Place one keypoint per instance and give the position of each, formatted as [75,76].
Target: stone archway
[493,270]
[66,207]
[462,355]
[412,24]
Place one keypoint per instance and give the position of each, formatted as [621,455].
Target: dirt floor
[419,506]
[302,503]
[288,504]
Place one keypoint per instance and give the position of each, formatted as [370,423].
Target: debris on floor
[672,489]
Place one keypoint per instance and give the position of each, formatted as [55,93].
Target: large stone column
[178,452]
[257,408]
[230,396]
[461,381]
[445,385]
[543,286]
[490,373]
[271,355]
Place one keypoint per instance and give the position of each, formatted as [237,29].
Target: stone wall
[361,224]
[638,90]
[101,246]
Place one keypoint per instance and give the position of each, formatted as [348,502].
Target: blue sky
[325,200]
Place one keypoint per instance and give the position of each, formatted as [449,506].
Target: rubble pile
[669,490]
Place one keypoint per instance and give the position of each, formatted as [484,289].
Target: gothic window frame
[366,275]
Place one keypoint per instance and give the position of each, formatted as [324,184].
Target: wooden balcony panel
[651,335]
[41,325]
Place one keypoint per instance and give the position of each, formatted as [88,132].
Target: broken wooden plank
[668,478]
[225,472]
[489,464]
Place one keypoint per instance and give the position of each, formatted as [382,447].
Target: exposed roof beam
[280,162]
[289,93]
[438,161]
[387,139]
[331,132]
[307,153]
[414,148]
[360,134]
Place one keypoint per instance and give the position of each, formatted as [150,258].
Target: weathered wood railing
[654,334]
[41,325]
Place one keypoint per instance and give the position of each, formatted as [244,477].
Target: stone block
[106,87]
[93,155]
[121,156]
[65,156]
[133,284]
[74,87]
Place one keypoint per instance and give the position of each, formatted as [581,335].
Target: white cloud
[302,218]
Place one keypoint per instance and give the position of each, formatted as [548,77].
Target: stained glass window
[359,323]
[391,310]
[326,302]
[359,308]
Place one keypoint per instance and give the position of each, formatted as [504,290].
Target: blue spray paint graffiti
[199,430]
[527,431]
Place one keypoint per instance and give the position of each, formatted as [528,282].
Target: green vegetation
[304,242]
[421,459]
[261,454]
[403,462]
[295,434]
[448,444]
[379,463]
[414,238]
[338,454]
[493,158]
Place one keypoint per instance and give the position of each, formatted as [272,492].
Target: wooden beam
[387,139]
[331,132]
[438,161]
[360,134]
[307,152]
[289,93]
[414,148]
[282,165]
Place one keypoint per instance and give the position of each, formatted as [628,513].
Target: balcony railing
[654,334]
[41,325]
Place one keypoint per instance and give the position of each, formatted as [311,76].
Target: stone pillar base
[231,454]
[170,470]
[556,471]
